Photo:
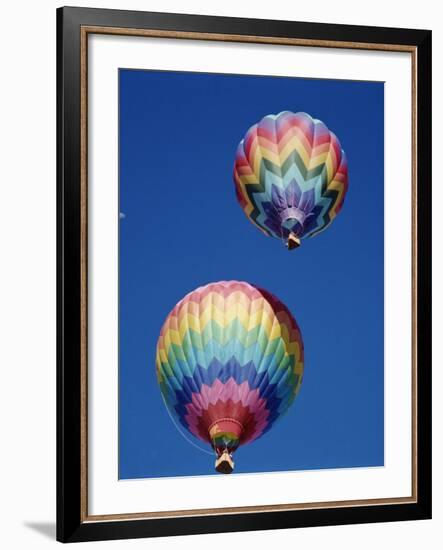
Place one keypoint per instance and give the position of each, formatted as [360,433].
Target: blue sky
[182,228]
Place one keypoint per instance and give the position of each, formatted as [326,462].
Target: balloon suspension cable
[182,433]
[284,240]
[289,241]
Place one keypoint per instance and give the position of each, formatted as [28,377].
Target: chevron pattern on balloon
[291,175]
[229,362]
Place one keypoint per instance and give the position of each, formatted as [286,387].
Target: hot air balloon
[229,363]
[291,176]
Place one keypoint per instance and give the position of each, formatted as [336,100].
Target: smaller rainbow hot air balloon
[229,364]
[291,176]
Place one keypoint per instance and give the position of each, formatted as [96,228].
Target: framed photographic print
[244,274]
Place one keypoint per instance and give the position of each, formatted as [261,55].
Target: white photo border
[106,494]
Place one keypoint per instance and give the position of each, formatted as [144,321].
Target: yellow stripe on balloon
[272,331]
[295,144]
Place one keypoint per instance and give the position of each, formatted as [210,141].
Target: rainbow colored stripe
[229,362]
[291,175]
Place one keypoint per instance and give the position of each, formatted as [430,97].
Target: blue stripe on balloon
[223,373]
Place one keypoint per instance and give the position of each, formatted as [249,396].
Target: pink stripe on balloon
[219,392]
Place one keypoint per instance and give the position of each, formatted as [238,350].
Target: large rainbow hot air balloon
[229,364]
[291,176]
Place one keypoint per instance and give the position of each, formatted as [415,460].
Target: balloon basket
[224,463]
[293,242]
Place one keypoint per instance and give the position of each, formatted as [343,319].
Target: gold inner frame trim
[84,32]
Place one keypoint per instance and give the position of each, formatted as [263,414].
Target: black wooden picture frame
[73,25]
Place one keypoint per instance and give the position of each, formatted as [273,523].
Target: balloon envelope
[291,176]
[229,363]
